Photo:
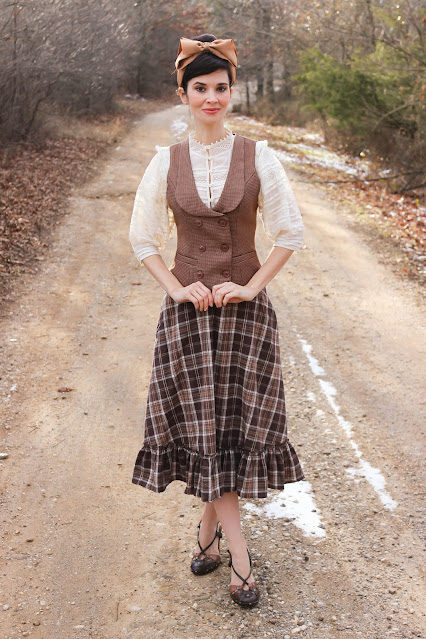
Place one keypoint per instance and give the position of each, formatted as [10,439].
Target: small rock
[392,591]
[4,455]
[334,618]
[195,605]
[36,622]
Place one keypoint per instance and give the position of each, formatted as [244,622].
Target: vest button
[199,222]
[226,273]
[202,247]
[224,247]
[223,222]
[200,274]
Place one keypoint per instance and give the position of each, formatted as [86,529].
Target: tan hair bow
[190,49]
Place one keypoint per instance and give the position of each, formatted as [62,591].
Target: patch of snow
[375,478]
[373,475]
[12,390]
[322,156]
[178,126]
[295,503]
[313,363]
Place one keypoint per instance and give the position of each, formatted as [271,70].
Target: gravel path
[85,553]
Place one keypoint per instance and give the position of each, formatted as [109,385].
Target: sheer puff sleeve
[152,220]
[278,208]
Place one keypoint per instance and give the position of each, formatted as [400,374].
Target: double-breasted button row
[200,274]
[222,222]
[226,273]
[224,247]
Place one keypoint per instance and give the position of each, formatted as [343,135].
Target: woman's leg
[207,530]
[226,509]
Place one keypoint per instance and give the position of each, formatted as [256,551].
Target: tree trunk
[268,59]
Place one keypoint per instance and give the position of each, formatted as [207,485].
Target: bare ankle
[238,546]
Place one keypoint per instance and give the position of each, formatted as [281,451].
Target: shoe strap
[217,534]
[245,582]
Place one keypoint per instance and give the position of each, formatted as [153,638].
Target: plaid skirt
[215,413]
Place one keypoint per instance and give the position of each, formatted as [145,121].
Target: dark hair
[205,63]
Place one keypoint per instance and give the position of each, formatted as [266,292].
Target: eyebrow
[218,84]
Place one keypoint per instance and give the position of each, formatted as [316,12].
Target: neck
[209,134]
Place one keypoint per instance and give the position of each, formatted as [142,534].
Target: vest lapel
[186,191]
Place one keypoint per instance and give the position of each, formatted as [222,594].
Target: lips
[211,110]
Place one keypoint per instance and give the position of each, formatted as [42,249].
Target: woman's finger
[195,295]
[202,304]
[219,297]
[208,295]
[203,291]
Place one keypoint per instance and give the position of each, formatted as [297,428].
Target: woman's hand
[230,292]
[197,293]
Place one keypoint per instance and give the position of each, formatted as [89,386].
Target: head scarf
[190,49]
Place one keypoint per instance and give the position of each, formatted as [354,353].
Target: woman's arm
[270,267]
[234,293]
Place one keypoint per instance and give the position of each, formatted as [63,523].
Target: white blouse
[152,219]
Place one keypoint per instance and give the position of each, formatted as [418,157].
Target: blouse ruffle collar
[224,144]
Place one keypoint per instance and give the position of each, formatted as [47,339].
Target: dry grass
[106,128]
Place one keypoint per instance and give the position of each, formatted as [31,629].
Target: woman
[215,415]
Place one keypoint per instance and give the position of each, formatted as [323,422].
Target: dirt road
[85,553]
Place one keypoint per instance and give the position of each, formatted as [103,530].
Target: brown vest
[215,244]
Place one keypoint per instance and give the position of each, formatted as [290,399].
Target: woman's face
[208,96]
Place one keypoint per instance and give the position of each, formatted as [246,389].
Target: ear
[182,95]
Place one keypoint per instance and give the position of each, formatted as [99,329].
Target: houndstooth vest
[216,244]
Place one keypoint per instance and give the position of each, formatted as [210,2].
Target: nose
[211,96]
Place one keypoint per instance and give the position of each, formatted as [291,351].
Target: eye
[222,89]
[199,89]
